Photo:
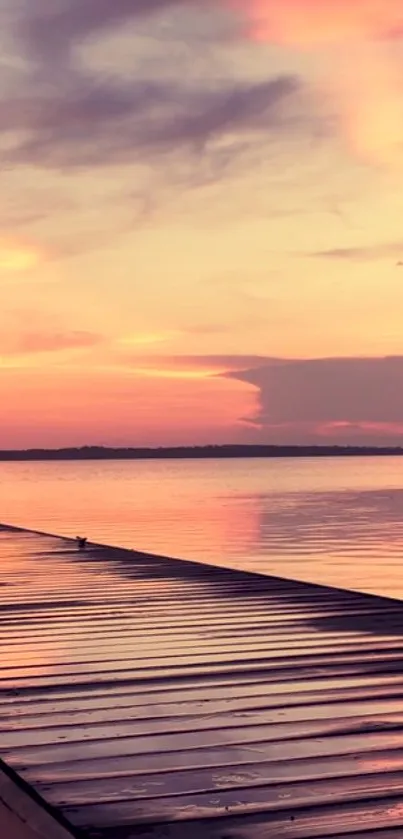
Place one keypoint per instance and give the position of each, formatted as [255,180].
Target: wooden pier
[145,696]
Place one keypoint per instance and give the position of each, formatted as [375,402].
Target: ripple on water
[336,521]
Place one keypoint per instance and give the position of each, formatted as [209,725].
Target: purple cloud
[114,124]
[331,398]
[364,253]
[52,29]
[62,114]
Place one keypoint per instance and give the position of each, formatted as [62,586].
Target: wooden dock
[145,696]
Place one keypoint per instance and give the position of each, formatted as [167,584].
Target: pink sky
[191,190]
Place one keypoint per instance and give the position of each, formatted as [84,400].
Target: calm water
[336,521]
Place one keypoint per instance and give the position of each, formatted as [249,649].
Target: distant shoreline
[197,452]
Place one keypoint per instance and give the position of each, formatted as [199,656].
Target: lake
[337,521]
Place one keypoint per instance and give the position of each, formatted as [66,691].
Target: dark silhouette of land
[198,452]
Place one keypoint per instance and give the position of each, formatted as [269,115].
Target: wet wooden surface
[147,696]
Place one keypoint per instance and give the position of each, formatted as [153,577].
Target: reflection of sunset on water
[338,522]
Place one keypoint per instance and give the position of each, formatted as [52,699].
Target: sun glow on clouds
[367,82]
[113,407]
[160,368]
[147,338]
[162,373]
[309,23]
[374,108]
[16,257]
[383,429]
[179,366]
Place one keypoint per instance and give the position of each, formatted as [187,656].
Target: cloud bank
[329,399]
[304,401]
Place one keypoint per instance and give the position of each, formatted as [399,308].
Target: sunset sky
[201,222]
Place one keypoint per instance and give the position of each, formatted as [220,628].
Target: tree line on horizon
[210,451]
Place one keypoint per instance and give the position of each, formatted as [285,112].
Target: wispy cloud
[52,30]
[26,343]
[215,364]
[61,113]
[92,126]
[364,253]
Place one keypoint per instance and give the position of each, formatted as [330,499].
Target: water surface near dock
[334,521]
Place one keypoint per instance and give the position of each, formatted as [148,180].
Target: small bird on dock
[81,542]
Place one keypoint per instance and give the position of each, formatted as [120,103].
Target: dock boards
[143,696]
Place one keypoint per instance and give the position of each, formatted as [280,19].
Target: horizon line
[238,450]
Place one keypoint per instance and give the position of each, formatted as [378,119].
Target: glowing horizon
[195,203]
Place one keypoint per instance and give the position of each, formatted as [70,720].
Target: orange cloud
[47,342]
[312,23]
[367,83]
[373,107]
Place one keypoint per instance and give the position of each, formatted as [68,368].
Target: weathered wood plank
[79,714]
[280,723]
[225,755]
[267,799]
[142,693]
[346,821]
[13,703]
[219,778]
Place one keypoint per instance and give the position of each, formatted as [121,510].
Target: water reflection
[347,539]
[333,521]
[319,522]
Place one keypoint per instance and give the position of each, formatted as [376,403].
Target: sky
[201,222]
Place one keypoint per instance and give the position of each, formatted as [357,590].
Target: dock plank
[145,694]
